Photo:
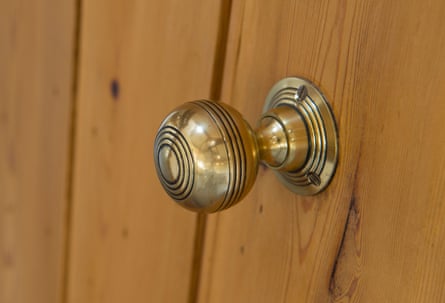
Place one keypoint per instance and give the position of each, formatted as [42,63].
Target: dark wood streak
[339,285]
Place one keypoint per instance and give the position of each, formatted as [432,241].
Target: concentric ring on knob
[235,150]
[174,164]
[169,164]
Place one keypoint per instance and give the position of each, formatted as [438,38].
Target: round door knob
[207,156]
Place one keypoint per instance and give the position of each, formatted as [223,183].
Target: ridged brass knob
[207,155]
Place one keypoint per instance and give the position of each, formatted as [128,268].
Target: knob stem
[282,139]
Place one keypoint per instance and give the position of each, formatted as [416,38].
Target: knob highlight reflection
[206,156]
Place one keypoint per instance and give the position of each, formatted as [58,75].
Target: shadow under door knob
[207,155]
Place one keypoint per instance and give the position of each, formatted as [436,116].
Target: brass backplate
[322,155]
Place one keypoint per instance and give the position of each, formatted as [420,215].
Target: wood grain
[36,60]
[376,234]
[139,60]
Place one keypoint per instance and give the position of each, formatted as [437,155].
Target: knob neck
[282,139]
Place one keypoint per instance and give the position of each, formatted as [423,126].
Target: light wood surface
[377,234]
[36,59]
[139,59]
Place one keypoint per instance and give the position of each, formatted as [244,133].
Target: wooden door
[377,233]
[137,60]
[36,78]
[85,84]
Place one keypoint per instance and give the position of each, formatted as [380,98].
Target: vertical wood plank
[139,59]
[376,234]
[36,60]
[393,247]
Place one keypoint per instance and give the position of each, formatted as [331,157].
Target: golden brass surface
[207,156]
[322,153]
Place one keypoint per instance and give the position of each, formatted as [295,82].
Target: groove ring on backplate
[313,107]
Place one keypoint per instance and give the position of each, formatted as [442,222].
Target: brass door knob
[207,156]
